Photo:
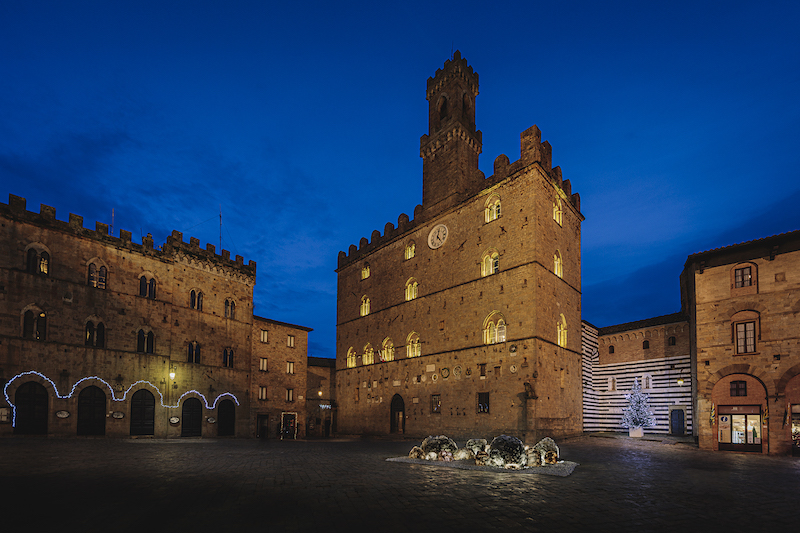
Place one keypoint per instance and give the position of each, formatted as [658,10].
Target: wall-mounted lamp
[680,382]
[319,393]
[171,372]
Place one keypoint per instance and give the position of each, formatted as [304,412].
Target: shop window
[436,404]
[483,402]
[738,388]
[351,358]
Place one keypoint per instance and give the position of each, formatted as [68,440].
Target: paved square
[230,485]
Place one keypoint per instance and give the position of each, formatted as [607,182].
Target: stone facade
[450,322]
[321,397]
[103,336]
[655,352]
[743,303]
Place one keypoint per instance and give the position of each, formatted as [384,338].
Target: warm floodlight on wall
[171,372]
[680,382]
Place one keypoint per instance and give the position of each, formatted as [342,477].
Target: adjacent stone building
[743,303]
[321,397]
[465,320]
[104,336]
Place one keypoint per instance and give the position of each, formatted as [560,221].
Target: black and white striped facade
[605,385]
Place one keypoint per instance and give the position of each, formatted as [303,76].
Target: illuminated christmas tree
[638,413]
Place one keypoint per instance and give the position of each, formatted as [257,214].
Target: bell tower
[450,149]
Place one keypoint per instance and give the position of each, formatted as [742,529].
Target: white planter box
[636,432]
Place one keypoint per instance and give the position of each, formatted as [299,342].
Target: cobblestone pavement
[346,485]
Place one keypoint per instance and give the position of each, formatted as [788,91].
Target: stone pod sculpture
[463,454]
[481,458]
[438,444]
[476,445]
[547,445]
[506,450]
[416,453]
[534,457]
[550,458]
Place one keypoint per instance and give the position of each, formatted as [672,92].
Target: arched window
[95,334]
[612,384]
[227,357]
[365,271]
[97,276]
[410,250]
[351,358]
[558,212]
[413,345]
[145,342]
[193,352]
[196,300]
[611,349]
[230,309]
[364,306]
[443,108]
[490,263]
[492,209]
[34,325]
[558,265]
[561,332]
[672,341]
[411,289]
[147,287]
[645,345]
[647,381]
[387,350]
[494,329]
[369,355]
[37,260]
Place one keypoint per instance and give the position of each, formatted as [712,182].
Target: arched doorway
[143,413]
[740,403]
[398,415]
[31,409]
[192,418]
[226,419]
[92,411]
[792,414]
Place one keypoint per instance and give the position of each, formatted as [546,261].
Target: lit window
[38,262]
[147,287]
[413,345]
[411,289]
[410,250]
[365,271]
[492,210]
[230,309]
[387,351]
[290,367]
[369,355]
[193,352]
[95,334]
[558,212]
[290,341]
[289,395]
[34,325]
[436,404]
[558,265]
[227,357]
[743,277]
[490,263]
[364,310]
[97,276]
[351,358]
[262,365]
[494,329]
[483,402]
[262,393]
[738,388]
[196,300]
[561,332]
[264,335]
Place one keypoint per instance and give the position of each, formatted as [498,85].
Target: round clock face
[437,236]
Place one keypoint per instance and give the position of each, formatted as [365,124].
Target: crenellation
[47,211]
[16,203]
[101,228]
[226,254]
[75,221]
[125,236]
[194,242]
[210,248]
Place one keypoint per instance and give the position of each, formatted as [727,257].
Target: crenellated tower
[450,149]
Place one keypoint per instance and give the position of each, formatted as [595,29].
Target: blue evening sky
[677,122]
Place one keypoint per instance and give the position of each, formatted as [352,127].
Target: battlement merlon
[16,209]
[533,151]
